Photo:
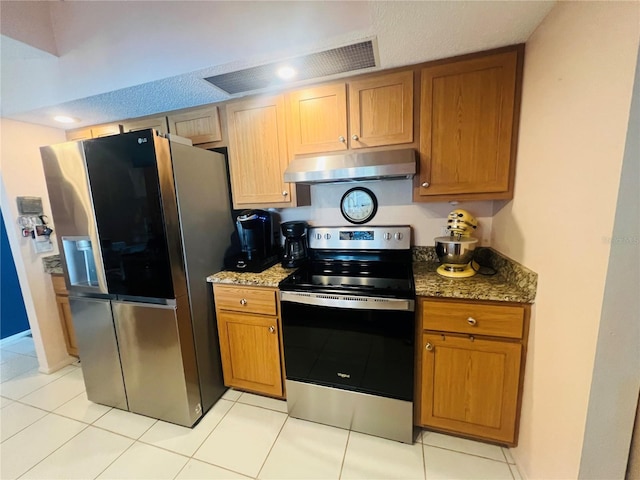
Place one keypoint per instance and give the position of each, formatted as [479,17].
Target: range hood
[351,167]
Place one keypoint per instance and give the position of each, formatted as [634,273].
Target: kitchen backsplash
[395,207]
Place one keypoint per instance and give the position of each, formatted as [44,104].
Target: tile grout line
[209,434]
[273,444]
[465,453]
[55,450]
[424,455]
[39,388]
[344,455]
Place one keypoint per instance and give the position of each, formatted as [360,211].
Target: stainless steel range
[348,331]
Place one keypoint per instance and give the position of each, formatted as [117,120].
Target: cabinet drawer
[474,319]
[58,285]
[245,299]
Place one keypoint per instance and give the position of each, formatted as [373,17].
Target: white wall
[578,77]
[21,174]
[395,207]
[616,375]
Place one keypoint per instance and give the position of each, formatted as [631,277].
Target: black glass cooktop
[387,279]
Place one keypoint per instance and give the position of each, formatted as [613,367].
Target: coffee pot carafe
[295,243]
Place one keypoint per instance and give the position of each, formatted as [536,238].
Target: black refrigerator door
[123,176]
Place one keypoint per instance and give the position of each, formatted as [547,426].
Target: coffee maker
[259,250]
[295,243]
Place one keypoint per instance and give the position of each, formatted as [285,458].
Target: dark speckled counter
[511,283]
[271,277]
[52,264]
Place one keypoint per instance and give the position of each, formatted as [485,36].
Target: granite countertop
[52,264]
[271,277]
[511,283]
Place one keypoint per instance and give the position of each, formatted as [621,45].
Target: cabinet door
[105,131]
[250,352]
[319,119]
[467,143]
[201,125]
[81,134]
[157,123]
[64,312]
[470,386]
[93,132]
[381,110]
[258,152]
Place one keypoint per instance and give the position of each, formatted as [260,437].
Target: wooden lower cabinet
[64,313]
[470,369]
[250,338]
[470,386]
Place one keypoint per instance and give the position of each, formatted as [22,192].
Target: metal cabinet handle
[429,347]
[272,329]
[425,184]
[341,139]
[355,137]
[285,193]
[471,321]
[243,301]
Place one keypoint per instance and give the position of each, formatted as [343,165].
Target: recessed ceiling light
[65,119]
[286,73]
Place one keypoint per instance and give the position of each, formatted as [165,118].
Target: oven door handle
[348,301]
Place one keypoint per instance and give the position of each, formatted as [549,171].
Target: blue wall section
[13,316]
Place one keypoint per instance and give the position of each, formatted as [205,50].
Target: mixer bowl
[455,251]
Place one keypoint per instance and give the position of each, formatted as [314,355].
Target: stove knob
[398,236]
[387,236]
[318,236]
[327,236]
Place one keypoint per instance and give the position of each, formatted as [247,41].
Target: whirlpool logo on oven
[344,375]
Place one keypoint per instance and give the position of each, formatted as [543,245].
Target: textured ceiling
[106,61]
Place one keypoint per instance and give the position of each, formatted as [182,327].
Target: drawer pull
[429,347]
[272,329]
[243,301]
[471,321]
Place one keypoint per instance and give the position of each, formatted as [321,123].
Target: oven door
[359,349]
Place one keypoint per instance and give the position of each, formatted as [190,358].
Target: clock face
[358,205]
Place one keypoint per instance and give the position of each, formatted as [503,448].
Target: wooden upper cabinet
[157,123]
[201,125]
[80,134]
[468,127]
[381,110]
[105,131]
[93,132]
[258,152]
[318,119]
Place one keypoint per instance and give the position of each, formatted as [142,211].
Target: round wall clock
[358,205]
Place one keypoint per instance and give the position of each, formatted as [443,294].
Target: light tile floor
[49,430]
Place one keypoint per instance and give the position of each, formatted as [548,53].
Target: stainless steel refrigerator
[140,222]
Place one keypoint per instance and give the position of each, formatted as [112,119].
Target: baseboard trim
[61,364]
[13,338]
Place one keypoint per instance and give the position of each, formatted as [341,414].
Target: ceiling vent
[315,65]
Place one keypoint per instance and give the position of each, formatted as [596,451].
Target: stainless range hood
[351,167]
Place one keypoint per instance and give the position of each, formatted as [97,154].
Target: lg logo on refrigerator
[142,140]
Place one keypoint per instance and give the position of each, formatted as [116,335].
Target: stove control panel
[360,238]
